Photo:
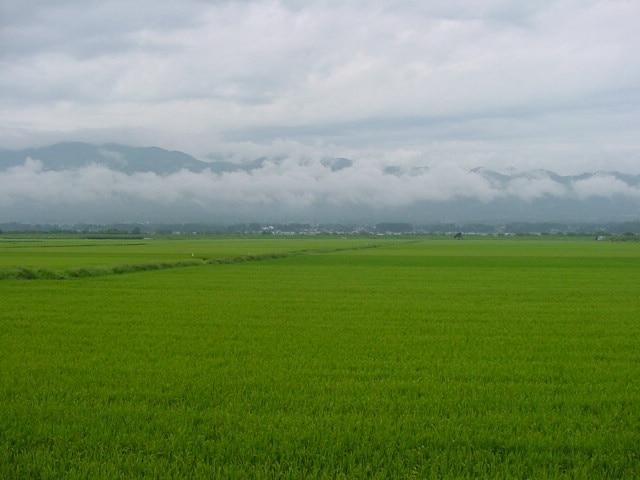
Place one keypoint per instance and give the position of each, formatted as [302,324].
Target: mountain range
[70,182]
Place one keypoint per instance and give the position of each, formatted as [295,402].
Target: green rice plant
[70,253]
[427,359]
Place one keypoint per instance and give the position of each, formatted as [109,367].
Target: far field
[319,358]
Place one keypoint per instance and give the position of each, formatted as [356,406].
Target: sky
[513,86]
[432,89]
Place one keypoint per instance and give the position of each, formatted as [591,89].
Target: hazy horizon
[74,183]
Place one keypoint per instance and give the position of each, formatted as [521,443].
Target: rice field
[319,358]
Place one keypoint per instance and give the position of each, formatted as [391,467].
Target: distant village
[459,231]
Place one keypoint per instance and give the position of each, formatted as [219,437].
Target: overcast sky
[494,83]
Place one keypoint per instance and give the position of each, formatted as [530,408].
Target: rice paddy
[319,358]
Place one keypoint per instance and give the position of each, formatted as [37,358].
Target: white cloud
[549,84]
[605,185]
[290,183]
[531,188]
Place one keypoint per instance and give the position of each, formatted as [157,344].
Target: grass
[432,359]
[62,258]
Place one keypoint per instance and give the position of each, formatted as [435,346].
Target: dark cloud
[85,30]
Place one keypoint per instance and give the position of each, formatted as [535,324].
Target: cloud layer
[550,84]
[294,189]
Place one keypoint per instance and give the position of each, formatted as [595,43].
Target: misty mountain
[78,182]
[502,181]
[126,159]
[74,155]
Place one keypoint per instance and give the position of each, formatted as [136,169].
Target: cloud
[550,84]
[605,185]
[532,188]
[290,188]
